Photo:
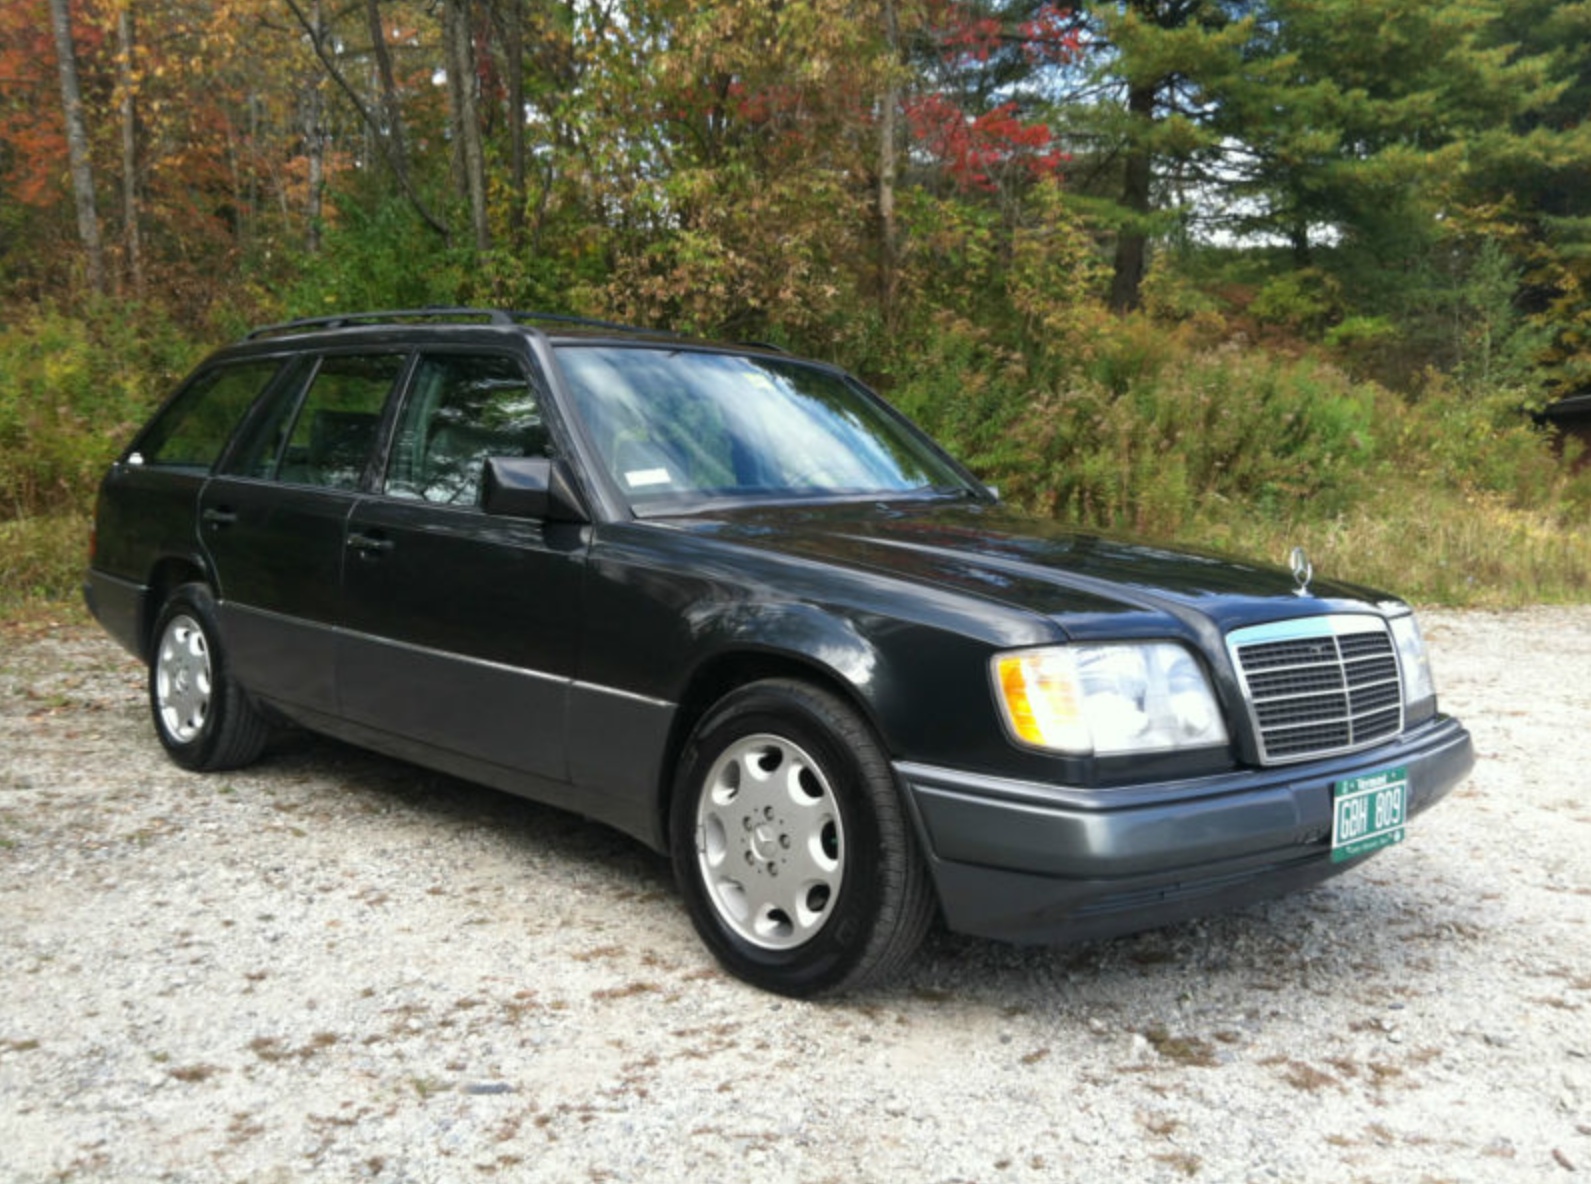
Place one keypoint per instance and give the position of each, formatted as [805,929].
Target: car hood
[1089,583]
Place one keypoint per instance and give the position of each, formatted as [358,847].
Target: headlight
[1107,699]
[1419,689]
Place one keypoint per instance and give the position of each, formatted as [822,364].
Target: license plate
[1368,813]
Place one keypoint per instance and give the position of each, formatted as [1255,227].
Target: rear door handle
[368,544]
[219,517]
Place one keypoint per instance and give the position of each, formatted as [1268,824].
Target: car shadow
[1369,935]
[1353,934]
[551,833]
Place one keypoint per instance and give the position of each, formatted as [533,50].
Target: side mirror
[530,487]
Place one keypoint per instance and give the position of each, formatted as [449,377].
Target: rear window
[194,427]
[322,425]
[336,427]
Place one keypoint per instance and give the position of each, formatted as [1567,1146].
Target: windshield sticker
[641,478]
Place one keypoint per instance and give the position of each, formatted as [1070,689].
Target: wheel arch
[168,574]
[729,670]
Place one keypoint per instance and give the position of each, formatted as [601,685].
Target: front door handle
[369,544]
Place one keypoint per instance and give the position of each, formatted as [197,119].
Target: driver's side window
[461,410]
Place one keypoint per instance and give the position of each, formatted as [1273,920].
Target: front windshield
[679,429]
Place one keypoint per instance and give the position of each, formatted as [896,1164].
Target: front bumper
[1031,862]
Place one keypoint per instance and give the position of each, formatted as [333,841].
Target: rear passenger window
[335,430]
[192,431]
[460,411]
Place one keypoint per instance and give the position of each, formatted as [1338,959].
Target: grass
[42,563]
[1446,495]
[1441,548]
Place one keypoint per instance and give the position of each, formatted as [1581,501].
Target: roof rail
[588,322]
[386,316]
[495,316]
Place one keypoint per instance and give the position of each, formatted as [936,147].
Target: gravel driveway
[337,966]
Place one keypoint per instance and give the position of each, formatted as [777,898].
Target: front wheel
[202,717]
[790,845]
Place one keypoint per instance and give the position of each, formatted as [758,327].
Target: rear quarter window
[191,431]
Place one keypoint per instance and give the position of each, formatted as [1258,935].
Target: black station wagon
[731,603]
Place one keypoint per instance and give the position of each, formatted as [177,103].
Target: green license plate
[1368,813]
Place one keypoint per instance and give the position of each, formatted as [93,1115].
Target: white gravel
[336,966]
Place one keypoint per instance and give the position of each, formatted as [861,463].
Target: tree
[127,88]
[387,127]
[1545,182]
[77,146]
[463,83]
[1352,112]
[1140,112]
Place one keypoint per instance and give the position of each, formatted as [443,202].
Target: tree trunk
[1303,256]
[514,51]
[462,85]
[1132,242]
[249,222]
[888,158]
[314,110]
[132,237]
[82,167]
[390,134]
[315,143]
[456,167]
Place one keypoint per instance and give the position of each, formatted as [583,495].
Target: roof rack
[495,316]
[344,319]
[587,322]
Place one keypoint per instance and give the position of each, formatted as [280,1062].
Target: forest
[1240,274]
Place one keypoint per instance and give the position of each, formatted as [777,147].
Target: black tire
[782,777]
[202,717]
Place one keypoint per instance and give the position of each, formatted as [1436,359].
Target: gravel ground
[336,966]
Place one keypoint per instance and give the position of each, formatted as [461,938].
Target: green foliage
[1153,435]
[1360,333]
[1305,300]
[42,558]
[379,254]
[1174,293]
[72,390]
[969,392]
[1402,187]
[1193,436]
[1455,312]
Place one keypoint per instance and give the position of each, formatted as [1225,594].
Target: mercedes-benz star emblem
[1303,571]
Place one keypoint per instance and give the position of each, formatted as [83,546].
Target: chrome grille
[1319,685]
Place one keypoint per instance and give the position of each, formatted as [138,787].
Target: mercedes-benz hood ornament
[1303,571]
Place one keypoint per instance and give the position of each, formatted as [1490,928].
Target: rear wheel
[202,717]
[790,845]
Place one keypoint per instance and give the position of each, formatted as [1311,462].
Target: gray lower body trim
[118,605]
[1009,864]
[546,736]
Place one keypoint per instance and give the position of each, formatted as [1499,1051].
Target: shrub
[1147,445]
[72,389]
[1453,496]
[42,558]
